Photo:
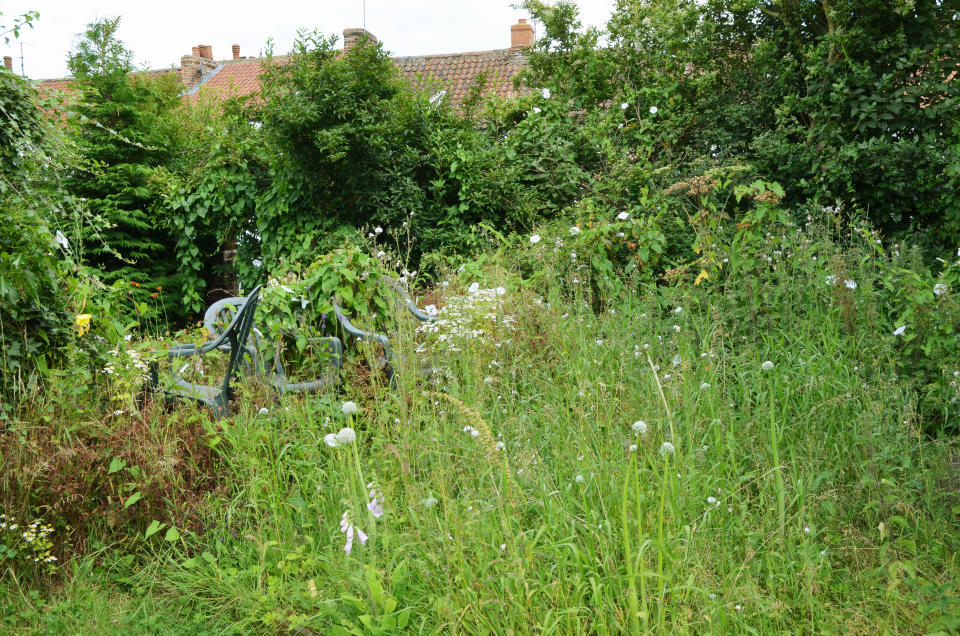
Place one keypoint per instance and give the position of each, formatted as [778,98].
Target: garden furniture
[233,340]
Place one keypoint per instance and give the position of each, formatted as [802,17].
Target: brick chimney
[236,51]
[352,36]
[8,62]
[521,35]
[195,66]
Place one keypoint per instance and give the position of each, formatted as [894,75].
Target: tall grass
[519,497]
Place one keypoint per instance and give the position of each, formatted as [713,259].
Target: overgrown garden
[694,366]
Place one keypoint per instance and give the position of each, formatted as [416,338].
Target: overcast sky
[158,33]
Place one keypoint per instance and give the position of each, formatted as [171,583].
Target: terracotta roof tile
[457,72]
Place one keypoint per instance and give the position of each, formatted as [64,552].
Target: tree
[122,125]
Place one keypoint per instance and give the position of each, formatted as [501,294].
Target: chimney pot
[521,35]
[196,51]
[8,62]
[236,51]
[206,51]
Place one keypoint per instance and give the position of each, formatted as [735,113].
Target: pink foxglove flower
[349,529]
[376,502]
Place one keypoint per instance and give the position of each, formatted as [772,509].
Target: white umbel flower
[348,408]
[666,449]
[346,436]
[640,427]
[767,365]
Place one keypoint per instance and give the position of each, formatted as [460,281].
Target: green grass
[799,499]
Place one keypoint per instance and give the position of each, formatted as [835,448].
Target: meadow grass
[779,483]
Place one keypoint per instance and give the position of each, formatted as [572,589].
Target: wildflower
[546,93]
[678,310]
[806,529]
[767,365]
[536,110]
[939,289]
[474,433]
[899,330]
[331,440]
[263,410]
[623,216]
[711,500]
[349,529]
[535,239]
[574,230]
[632,448]
[640,427]
[579,479]
[676,328]
[653,110]
[598,342]
[348,408]
[473,288]
[850,284]
[500,291]
[378,231]
[666,449]
[83,323]
[624,106]
[704,386]
[500,446]
[429,502]
[346,436]
[376,502]
[831,279]
[676,360]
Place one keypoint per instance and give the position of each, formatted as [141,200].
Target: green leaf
[116,465]
[154,527]
[172,535]
[132,499]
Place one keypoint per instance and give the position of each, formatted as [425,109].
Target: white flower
[378,230]
[331,440]
[640,427]
[264,410]
[676,360]
[849,284]
[535,238]
[500,291]
[474,433]
[574,230]
[347,436]
[632,448]
[381,254]
[899,331]
[939,289]
[536,110]
[579,479]
[676,328]
[653,110]
[348,408]
[257,262]
[705,385]
[711,500]
[546,93]
[623,216]
[678,310]
[624,106]
[429,502]
[831,279]
[436,98]
[473,288]
[666,448]
[500,446]
[62,240]
[767,365]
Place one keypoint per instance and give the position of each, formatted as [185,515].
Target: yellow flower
[83,323]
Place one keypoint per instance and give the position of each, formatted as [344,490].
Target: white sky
[160,31]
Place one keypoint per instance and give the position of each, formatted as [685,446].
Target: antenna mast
[364,15]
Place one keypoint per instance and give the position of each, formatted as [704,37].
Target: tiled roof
[454,73]
[457,72]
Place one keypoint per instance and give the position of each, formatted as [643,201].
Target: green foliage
[122,131]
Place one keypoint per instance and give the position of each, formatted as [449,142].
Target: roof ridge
[408,57]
